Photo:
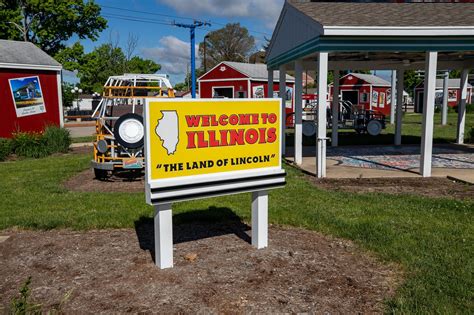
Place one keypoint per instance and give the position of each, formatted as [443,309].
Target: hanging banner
[207,147]
[27,96]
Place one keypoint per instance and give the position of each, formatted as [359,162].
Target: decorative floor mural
[399,158]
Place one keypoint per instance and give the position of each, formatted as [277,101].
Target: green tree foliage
[230,43]
[181,86]
[68,97]
[105,60]
[50,23]
[71,57]
[412,79]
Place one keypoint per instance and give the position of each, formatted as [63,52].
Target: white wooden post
[335,109]
[270,83]
[60,98]
[282,88]
[163,236]
[428,113]
[393,98]
[399,106]
[462,107]
[298,112]
[260,219]
[444,110]
[322,104]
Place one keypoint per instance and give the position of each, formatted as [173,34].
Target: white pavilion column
[270,83]
[398,105]
[462,107]
[322,104]
[298,112]
[428,113]
[393,98]
[444,110]
[335,109]
[282,88]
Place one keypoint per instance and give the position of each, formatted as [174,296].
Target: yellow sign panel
[208,136]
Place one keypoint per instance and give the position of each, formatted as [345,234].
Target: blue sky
[169,45]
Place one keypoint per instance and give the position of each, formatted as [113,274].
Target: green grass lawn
[411,132]
[431,239]
[83,139]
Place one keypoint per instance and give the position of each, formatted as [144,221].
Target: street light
[77,91]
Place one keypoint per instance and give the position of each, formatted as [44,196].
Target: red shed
[240,80]
[30,88]
[454,94]
[367,90]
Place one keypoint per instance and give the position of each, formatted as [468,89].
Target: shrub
[5,148]
[57,139]
[470,108]
[470,135]
[29,144]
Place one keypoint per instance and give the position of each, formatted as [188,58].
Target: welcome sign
[207,147]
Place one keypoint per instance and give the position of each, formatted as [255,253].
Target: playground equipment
[351,116]
[119,121]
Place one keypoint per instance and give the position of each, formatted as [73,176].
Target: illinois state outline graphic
[168,131]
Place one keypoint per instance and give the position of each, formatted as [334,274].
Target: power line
[175,17]
[137,19]
[149,13]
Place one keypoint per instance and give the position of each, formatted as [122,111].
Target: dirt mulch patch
[430,187]
[112,271]
[118,182]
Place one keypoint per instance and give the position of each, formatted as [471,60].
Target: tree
[68,97]
[411,80]
[106,60]
[50,23]
[71,57]
[230,43]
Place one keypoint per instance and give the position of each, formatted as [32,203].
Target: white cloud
[265,10]
[172,54]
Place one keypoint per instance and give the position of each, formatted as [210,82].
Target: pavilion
[339,36]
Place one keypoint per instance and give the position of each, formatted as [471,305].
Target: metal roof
[256,71]
[452,83]
[371,79]
[24,53]
[387,14]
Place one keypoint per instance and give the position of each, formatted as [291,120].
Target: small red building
[368,90]
[30,89]
[241,80]
[454,93]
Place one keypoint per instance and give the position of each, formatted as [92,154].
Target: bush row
[469,109]
[36,145]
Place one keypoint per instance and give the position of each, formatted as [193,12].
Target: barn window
[223,92]
[364,97]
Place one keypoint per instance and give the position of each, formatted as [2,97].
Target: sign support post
[260,219]
[163,236]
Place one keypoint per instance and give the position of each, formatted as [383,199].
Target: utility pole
[192,31]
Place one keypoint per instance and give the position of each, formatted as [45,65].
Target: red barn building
[367,90]
[240,80]
[30,89]
[454,93]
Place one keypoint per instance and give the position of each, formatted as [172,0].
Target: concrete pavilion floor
[454,161]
